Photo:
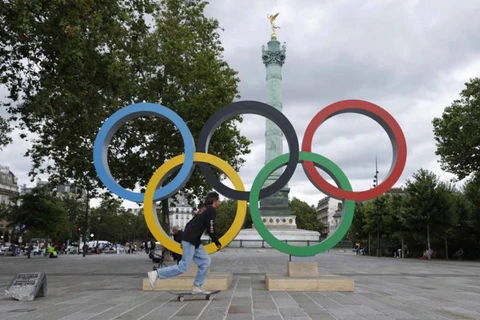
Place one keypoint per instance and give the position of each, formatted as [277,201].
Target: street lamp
[129,234]
[86,220]
[375,183]
[99,217]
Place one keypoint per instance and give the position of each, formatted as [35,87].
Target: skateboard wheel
[209,297]
[181,298]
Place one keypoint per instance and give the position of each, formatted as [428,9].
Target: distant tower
[275,208]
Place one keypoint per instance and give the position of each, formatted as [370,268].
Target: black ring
[258,108]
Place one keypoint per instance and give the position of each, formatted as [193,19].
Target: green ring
[329,167]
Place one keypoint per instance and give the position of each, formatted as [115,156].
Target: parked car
[9,249]
[36,250]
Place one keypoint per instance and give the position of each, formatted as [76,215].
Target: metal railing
[260,244]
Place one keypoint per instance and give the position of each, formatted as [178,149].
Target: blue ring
[118,119]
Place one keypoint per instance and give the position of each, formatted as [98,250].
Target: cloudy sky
[412,58]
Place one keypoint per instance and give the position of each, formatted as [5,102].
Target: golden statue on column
[272,19]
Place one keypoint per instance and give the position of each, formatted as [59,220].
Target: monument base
[280,222]
[249,238]
[184,282]
[304,276]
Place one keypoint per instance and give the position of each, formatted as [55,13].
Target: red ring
[368,109]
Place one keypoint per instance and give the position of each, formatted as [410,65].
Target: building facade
[62,189]
[180,213]
[8,190]
[401,191]
[329,211]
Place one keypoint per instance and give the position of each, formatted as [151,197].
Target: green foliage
[42,213]
[357,229]
[468,225]
[226,214]
[45,213]
[116,224]
[429,202]
[397,226]
[457,133]
[306,216]
[5,130]
[62,64]
[75,207]
[426,214]
[69,65]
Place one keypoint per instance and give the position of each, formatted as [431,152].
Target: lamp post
[375,183]
[129,235]
[99,217]
[86,227]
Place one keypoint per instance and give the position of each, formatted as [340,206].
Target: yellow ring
[150,207]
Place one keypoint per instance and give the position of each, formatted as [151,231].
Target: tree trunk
[403,249]
[428,237]
[86,223]
[446,248]
[165,216]
[369,244]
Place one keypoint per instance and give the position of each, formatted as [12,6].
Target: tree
[428,205]
[5,129]
[73,64]
[42,213]
[468,224]
[117,224]
[65,65]
[75,207]
[376,218]
[195,82]
[356,231]
[226,214]
[447,211]
[399,226]
[457,133]
[306,216]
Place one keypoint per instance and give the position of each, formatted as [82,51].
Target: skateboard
[208,295]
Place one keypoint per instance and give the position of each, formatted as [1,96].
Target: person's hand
[219,247]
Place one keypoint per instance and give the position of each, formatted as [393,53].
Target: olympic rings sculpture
[156,191]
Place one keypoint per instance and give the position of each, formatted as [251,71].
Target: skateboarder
[192,246]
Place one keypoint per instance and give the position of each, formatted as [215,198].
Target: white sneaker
[152,278]
[198,289]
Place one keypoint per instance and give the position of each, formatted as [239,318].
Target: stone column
[273,58]
[275,208]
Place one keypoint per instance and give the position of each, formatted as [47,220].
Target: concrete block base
[322,283]
[302,269]
[304,276]
[214,281]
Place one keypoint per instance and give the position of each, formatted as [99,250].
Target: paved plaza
[109,287]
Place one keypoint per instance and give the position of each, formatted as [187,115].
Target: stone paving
[109,287]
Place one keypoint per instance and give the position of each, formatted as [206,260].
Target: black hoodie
[204,219]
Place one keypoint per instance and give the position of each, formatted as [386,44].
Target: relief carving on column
[274,57]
